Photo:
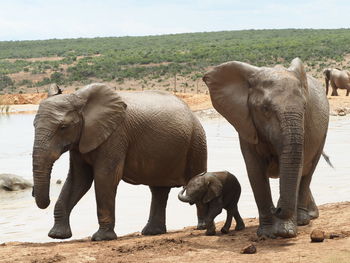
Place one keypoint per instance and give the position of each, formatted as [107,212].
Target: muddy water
[21,220]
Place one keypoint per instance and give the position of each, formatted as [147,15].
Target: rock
[11,182]
[59,181]
[250,249]
[341,113]
[317,235]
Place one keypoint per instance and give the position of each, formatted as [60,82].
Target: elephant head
[327,77]
[201,189]
[81,121]
[267,107]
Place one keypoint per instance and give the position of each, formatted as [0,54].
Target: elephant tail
[326,157]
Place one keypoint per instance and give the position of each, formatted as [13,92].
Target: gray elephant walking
[149,138]
[281,116]
[215,191]
[339,79]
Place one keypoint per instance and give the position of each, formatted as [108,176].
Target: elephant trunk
[327,79]
[182,197]
[41,176]
[327,85]
[291,160]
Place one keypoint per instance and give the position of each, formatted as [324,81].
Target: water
[21,220]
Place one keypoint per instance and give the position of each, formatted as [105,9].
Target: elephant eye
[63,126]
[265,108]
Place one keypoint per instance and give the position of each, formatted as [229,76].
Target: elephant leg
[105,190]
[307,208]
[201,214]
[256,168]
[239,221]
[79,181]
[214,209]
[156,221]
[226,228]
[347,92]
[334,91]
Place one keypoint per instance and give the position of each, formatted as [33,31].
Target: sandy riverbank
[21,103]
[189,245]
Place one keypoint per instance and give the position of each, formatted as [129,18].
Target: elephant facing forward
[339,79]
[149,138]
[281,116]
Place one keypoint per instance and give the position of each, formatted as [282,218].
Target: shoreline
[189,245]
[29,103]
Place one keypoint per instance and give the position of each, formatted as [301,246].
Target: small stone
[317,235]
[250,249]
[59,181]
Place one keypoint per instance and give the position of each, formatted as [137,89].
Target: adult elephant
[339,79]
[281,116]
[149,138]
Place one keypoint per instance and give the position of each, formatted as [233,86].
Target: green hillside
[156,57]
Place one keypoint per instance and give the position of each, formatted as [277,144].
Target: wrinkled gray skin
[149,138]
[11,182]
[215,191]
[281,116]
[339,79]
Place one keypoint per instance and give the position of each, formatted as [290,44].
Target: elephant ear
[102,112]
[229,86]
[298,68]
[327,73]
[53,90]
[214,188]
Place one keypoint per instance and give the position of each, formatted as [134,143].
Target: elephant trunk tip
[182,197]
[42,204]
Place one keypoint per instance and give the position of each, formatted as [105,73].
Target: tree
[5,82]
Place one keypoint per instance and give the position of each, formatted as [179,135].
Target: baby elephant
[215,191]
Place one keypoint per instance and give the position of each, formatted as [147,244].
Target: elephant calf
[215,191]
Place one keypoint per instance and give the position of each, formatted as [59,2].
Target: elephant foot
[60,232]
[314,213]
[225,230]
[201,225]
[211,231]
[265,231]
[285,228]
[303,217]
[153,229]
[104,234]
[240,226]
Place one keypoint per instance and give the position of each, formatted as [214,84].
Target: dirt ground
[189,245]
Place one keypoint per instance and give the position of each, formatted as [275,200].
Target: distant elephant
[215,191]
[11,182]
[149,138]
[339,79]
[281,116]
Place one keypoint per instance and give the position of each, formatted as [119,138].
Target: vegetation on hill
[161,57]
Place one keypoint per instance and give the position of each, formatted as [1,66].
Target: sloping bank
[189,245]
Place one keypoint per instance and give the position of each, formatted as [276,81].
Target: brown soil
[189,245]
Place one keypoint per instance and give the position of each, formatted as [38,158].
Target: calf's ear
[214,188]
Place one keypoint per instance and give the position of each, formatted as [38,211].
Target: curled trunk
[182,197]
[291,160]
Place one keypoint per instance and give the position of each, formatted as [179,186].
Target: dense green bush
[5,82]
[154,57]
